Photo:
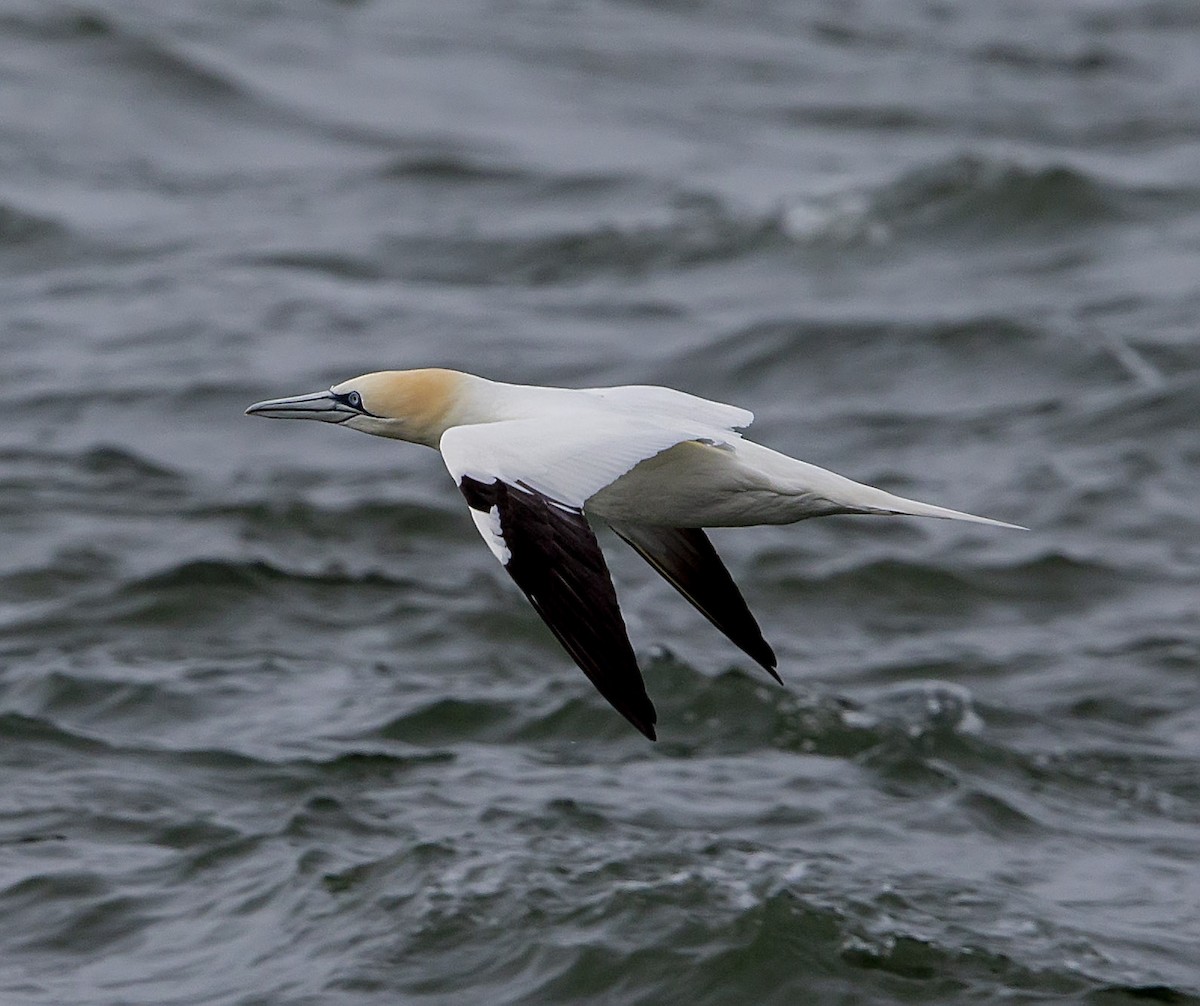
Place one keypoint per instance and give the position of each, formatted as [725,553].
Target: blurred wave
[968,197]
[980,198]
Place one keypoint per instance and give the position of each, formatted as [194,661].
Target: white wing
[526,481]
[566,457]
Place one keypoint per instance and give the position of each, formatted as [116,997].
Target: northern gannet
[656,465]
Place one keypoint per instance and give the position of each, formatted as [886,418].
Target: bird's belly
[698,485]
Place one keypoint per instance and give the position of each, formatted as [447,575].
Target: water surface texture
[276,729]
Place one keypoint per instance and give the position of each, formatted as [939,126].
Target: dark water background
[274,726]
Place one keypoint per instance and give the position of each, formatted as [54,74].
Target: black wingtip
[764,656]
[643,720]
[770,669]
[553,556]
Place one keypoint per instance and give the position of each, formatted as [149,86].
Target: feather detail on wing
[568,458]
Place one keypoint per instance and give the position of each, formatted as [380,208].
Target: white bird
[655,464]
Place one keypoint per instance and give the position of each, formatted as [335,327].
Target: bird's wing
[568,456]
[687,560]
[552,553]
[526,482]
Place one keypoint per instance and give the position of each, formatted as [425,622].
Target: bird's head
[412,405]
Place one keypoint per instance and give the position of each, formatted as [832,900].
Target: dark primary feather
[686,559]
[556,560]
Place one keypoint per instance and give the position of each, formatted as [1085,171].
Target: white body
[649,455]
[634,455]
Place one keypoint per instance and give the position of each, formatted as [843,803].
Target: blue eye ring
[354,400]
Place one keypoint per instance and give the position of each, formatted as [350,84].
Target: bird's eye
[354,399]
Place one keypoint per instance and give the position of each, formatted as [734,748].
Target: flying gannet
[656,465]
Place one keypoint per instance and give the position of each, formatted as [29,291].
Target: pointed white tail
[884,502]
[842,491]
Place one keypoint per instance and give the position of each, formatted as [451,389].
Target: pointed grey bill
[686,559]
[324,406]
[553,556]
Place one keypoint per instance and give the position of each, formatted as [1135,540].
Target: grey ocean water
[274,726]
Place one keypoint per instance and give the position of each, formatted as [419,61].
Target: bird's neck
[479,400]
